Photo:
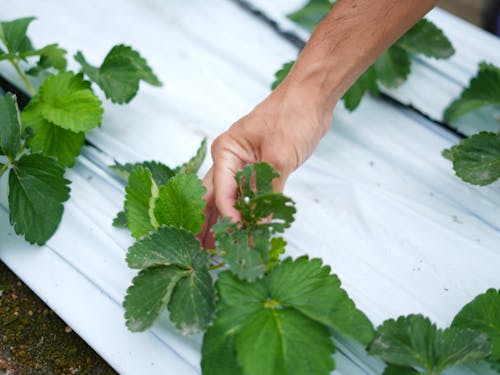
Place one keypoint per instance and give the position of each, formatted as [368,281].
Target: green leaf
[13,35]
[66,100]
[180,203]
[414,341]
[140,196]
[308,287]
[160,172]
[149,294]
[192,305]
[367,82]
[476,160]
[192,302]
[120,220]
[483,314]
[167,246]
[37,190]
[399,370]
[311,14]
[278,324]
[425,38]
[120,73]
[256,200]
[483,90]
[194,164]
[10,127]
[281,74]
[393,67]
[51,56]
[218,350]
[283,341]
[50,139]
[245,251]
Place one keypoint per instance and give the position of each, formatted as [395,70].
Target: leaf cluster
[272,316]
[392,68]
[413,344]
[38,143]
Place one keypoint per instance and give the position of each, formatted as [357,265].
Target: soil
[34,340]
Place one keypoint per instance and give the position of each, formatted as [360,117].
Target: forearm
[347,42]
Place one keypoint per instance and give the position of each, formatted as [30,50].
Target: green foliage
[476,160]
[393,66]
[141,193]
[50,139]
[67,101]
[282,73]
[120,73]
[10,128]
[13,35]
[311,14]
[483,314]
[160,172]
[483,90]
[367,82]
[399,370]
[413,341]
[174,274]
[246,246]
[279,324]
[180,203]
[51,56]
[193,165]
[120,220]
[37,190]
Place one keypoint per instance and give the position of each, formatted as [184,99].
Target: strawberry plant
[281,312]
[38,143]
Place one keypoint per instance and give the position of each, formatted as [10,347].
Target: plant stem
[216,266]
[28,84]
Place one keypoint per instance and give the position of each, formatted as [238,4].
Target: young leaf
[367,82]
[476,160]
[311,14]
[194,164]
[50,139]
[180,203]
[66,100]
[425,38]
[10,127]
[13,35]
[37,190]
[140,196]
[483,315]
[279,323]
[415,342]
[484,89]
[282,73]
[192,302]
[51,56]
[160,172]
[393,67]
[149,294]
[246,251]
[120,73]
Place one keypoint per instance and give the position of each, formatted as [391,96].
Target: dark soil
[34,340]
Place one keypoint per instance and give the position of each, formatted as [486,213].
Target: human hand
[283,130]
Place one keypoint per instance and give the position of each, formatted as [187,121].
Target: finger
[225,167]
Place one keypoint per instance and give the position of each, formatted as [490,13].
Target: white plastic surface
[376,201]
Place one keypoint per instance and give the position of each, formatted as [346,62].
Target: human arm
[285,128]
